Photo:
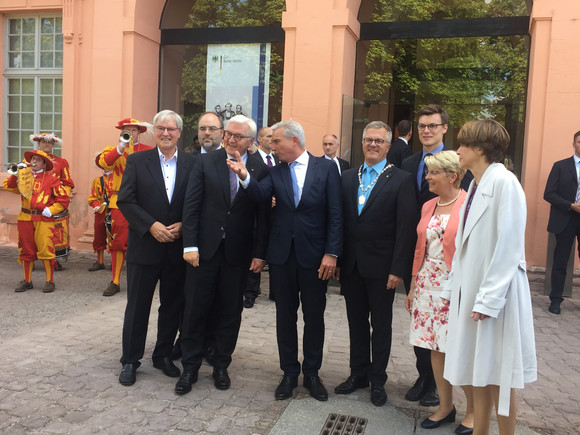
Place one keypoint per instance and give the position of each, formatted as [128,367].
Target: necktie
[269,159]
[295,188]
[423,181]
[233,185]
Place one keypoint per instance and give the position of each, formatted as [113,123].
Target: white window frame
[37,73]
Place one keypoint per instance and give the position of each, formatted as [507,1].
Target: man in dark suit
[151,199]
[562,192]
[210,129]
[305,240]
[225,234]
[330,148]
[432,124]
[270,160]
[377,200]
[400,148]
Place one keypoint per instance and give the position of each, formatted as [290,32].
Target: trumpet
[14,167]
[126,136]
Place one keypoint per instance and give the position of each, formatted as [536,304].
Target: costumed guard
[99,202]
[43,196]
[61,169]
[115,159]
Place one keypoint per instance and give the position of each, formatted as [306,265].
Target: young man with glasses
[432,124]
[224,234]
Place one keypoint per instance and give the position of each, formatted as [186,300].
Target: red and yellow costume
[62,171]
[97,199]
[111,160]
[37,233]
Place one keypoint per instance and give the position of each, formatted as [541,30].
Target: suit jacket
[398,152]
[411,164]
[381,239]
[143,200]
[315,226]
[208,212]
[344,165]
[560,192]
[448,236]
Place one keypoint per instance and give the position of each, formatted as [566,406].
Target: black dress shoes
[187,379]
[430,424]
[128,374]
[554,308]
[221,378]
[378,395]
[353,383]
[249,302]
[431,398]
[418,389]
[316,387]
[284,389]
[167,367]
[464,430]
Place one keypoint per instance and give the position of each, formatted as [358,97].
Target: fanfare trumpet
[126,136]
[14,167]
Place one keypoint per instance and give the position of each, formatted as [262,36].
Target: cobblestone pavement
[60,352]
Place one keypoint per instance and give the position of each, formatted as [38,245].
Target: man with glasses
[210,129]
[151,198]
[115,159]
[224,234]
[432,124]
[379,241]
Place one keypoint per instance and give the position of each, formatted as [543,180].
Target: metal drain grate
[339,424]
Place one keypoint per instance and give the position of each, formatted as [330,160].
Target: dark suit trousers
[564,242]
[217,284]
[142,280]
[364,297]
[294,285]
[253,285]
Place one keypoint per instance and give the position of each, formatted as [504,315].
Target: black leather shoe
[166,365]
[431,398]
[128,375]
[418,389]
[187,379]
[248,302]
[378,395]
[554,308]
[221,378]
[352,383]
[316,387]
[284,389]
[464,430]
[430,424]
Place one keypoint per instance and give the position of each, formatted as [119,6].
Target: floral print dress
[429,315]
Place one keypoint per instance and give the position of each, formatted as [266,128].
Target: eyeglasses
[430,127]
[237,137]
[369,141]
[160,129]
[210,129]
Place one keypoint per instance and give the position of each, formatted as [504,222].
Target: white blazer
[488,275]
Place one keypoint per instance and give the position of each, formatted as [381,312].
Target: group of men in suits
[226,211]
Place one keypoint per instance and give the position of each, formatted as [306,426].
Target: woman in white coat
[490,342]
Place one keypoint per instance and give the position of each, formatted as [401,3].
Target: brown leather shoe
[96,266]
[23,286]
[48,287]
[112,289]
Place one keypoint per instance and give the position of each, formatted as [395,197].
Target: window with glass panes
[33,81]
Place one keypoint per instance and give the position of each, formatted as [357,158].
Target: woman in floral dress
[433,254]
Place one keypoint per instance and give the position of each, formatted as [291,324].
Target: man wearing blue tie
[304,243]
[379,207]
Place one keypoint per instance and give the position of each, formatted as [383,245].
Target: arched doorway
[469,56]
[223,56]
